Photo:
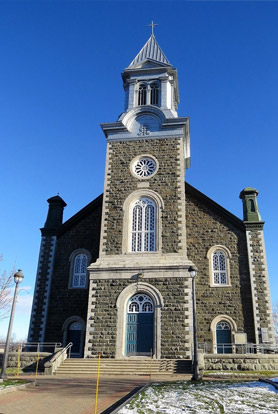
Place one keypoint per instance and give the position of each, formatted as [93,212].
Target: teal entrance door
[224,338]
[139,326]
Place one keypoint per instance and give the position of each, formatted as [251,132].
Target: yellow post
[98,369]
[151,365]
[37,364]
[18,360]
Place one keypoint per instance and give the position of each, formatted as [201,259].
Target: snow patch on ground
[207,397]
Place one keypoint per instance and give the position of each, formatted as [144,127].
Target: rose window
[144,167]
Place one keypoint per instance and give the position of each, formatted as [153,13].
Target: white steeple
[150,79]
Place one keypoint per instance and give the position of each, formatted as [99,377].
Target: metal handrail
[61,352]
[248,348]
[53,364]
[37,345]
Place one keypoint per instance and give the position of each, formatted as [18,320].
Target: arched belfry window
[142,94]
[143,226]
[79,271]
[154,93]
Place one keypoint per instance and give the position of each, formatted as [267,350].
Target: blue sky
[60,78]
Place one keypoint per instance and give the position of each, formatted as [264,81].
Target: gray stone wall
[206,228]
[65,302]
[28,360]
[121,183]
[238,362]
[174,318]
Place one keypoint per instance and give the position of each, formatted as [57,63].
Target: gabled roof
[89,208]
[150,51]
[85,211]
[214,206]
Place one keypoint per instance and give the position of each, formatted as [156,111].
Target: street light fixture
[18,277]
[193,273]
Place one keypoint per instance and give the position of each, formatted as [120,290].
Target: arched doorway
[74,336]
[140,325]
[223,338]
[74,331]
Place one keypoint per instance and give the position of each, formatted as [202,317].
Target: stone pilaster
[45,269]
[263,320]
[42,289]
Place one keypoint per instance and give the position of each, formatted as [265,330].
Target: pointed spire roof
[150,51]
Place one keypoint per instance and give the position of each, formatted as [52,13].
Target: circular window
[144,167]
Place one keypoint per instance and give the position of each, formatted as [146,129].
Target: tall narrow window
[79,271]
[219,268]
[154,94]
[142,95]
[143,226]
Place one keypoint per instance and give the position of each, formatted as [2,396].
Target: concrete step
[78,366]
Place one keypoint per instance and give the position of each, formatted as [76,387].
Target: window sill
[221,286]
[77,288]
[140,253]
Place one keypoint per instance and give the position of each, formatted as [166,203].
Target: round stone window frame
[138,158]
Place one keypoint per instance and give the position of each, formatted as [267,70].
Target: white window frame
[143,229]
[72,260]
[210,255]
[127,220]
[147,86]
[154,93]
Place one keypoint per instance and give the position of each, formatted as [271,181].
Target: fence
[229,348]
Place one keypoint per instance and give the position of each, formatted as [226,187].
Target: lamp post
[18,277]
[193,273]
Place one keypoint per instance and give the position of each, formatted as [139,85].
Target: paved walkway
[71,395]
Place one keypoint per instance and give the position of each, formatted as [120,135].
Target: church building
[116,277]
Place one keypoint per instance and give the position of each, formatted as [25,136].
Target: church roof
[150,51]
[206,201]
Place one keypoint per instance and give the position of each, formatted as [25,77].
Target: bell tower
[143,235]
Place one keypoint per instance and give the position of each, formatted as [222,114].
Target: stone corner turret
[250,205]
[55,214]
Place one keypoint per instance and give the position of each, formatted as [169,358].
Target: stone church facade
[115,278]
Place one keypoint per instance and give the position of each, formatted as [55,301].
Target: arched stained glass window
[219,264]
[79,271]
[154,93]
[142,94]
[143,226]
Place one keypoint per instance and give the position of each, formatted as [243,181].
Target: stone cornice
[251,225]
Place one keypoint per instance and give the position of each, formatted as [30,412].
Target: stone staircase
[88,366]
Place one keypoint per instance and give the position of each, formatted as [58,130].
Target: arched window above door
[143,225]
[140,304]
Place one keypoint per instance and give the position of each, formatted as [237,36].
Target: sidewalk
[72,395]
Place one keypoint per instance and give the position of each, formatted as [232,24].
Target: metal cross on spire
[152,25]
